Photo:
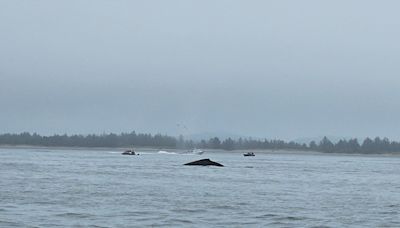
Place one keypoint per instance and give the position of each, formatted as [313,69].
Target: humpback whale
[204,162]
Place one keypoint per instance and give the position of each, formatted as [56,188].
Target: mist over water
[51,188]
[275,69]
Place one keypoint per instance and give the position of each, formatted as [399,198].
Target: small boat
[249,154]
[197,151]
[194,151]
[129,152]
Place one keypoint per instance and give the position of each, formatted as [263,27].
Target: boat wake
[165,152]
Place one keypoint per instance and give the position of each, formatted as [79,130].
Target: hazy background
[276,69]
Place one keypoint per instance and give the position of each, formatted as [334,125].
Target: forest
[133,139]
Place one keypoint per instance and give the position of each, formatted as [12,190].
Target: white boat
[196,151]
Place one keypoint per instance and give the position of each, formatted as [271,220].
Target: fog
[275,69]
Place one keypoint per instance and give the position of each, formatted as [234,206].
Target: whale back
[204,162]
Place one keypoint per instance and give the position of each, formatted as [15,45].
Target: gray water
[82,188]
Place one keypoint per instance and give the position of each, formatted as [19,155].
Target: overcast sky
[276,69]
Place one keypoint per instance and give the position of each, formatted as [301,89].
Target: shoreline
[263,151]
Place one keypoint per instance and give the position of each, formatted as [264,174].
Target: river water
[87,188]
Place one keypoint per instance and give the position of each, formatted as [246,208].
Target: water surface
[85,188]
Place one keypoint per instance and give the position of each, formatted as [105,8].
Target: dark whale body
[204,162]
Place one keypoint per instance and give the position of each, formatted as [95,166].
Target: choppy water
[50,188]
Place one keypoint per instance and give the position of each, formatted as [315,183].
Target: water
[82,188]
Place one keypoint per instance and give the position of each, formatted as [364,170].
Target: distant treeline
[134,139]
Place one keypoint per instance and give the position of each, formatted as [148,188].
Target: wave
[74,215]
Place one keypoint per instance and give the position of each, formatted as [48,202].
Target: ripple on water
[322,226]
[74,215]
[223,207]
[188,211]
[290,218]
[179,221]
[268,215]
[51,225]
[6,223]
[394,205]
